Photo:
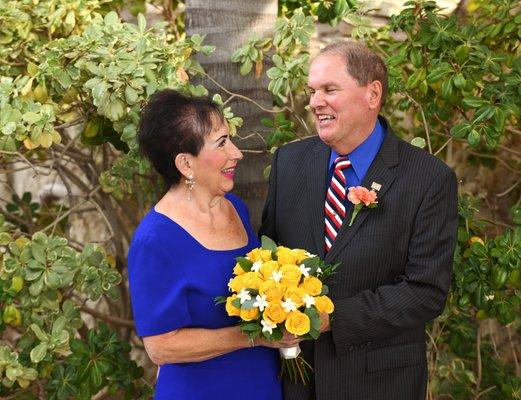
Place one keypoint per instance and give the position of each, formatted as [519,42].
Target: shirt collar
[362,157]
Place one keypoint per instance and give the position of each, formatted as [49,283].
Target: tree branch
[107,318]
[71,210]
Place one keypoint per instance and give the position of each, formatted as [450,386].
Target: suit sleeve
[268,226]
[419,294]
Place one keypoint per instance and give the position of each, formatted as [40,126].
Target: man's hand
[324,323]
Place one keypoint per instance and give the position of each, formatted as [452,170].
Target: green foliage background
[73,77]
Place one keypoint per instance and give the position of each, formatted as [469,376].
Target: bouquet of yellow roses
[276,289]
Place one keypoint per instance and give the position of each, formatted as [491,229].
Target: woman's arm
[200,344]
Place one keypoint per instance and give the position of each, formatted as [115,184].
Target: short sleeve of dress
[158,289]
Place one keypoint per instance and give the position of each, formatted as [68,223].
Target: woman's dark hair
[172,123]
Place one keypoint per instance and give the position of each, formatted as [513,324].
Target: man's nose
[316,100]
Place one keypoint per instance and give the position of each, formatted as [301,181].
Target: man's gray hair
[363,64]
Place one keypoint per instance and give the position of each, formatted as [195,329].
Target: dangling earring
[190,182]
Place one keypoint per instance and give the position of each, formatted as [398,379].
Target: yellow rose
[324,304]
[274,312]
[231,309]
[296,294]
[300,255]
[272,290]
[297,323]
[259,255]
[248,315]
[290,274]
[237,270]
[267,269]
[286,256]
[311,285]
[236,284]
[250,280]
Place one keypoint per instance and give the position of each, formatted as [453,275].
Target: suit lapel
[316,182]
[380,174]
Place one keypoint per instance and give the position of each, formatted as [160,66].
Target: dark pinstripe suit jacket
[395,273]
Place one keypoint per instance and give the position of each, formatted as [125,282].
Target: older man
[396,258]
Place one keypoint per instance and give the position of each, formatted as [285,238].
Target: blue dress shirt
[361,158]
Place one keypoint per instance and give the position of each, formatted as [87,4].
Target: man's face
[341,108]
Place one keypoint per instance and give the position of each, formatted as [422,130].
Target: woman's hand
[288,340]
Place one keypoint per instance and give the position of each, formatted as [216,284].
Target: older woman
[182,255]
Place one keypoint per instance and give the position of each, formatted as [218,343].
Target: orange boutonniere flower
[361,197]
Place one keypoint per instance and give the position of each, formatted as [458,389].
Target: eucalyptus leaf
[248,304]
[268,244]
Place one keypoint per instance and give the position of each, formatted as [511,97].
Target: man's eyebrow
[324,85]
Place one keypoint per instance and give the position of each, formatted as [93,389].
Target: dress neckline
[161,215]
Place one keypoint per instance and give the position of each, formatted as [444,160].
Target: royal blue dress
[173,282]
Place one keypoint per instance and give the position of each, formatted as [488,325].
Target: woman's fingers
[288,341]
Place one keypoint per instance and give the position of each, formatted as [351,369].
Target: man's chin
[326,136]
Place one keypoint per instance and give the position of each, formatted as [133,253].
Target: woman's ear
[183,163]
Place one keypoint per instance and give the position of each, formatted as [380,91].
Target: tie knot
[341,163]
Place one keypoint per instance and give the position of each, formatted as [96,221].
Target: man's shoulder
[420,160]
[303,146]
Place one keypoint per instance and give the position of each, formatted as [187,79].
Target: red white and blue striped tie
[335,210]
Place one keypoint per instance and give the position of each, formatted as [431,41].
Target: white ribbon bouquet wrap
[289,353]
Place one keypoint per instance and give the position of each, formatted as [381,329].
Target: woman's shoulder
[156,228]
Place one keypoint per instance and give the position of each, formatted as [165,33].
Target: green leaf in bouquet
[328,270]
[314,333]
[247,305]
[314,318]
[244,263]
[313,263]
[221,300]
[276,334]
[325,290]
[236,303]
[268,244]
[251,327]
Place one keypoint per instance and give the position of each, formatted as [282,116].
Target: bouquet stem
[294,367]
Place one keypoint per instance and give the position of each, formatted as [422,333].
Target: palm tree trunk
[228,24]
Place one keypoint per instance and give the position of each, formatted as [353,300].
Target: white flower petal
[304,270]
[267,326]
[244,295]
[309,300]
[256,266]
[276,276]
[261,302]
[289,305]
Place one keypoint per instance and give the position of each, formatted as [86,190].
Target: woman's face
[214,167]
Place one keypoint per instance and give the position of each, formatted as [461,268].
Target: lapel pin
[376,186]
